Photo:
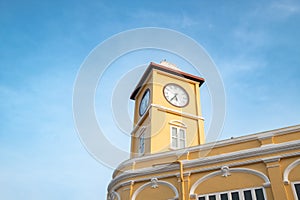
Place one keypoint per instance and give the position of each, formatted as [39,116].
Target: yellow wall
[157,120]
[272,165]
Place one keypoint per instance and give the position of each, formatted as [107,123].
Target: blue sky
[255,46]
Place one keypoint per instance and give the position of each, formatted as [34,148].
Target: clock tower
[169,159]
[167,111]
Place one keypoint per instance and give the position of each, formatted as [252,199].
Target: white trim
[117,182]
[184,114]
[158,182]
[178,123]
[208,146]
[276,148]
[288,170]
[231,170]
[159,107]
[171,167]
[113,194]
[294,189]
[271,159]
[236,155]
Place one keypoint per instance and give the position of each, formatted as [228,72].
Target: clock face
[144,102]
[176,95]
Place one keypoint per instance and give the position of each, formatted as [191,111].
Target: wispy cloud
[250,38]
[166,19]
[285,8]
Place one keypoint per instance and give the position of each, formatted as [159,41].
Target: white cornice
[259,151]
[170,110]
[211,145]
[166,109]
[218,159]
[117,182]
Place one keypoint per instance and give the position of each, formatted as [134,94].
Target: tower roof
[166,67]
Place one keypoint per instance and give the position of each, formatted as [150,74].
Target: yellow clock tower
[167,111]
[167,144]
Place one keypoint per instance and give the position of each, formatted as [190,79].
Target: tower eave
[153,65]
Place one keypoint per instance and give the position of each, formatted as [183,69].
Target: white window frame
[141,141]
[241,194]
[177,137]
[294,189]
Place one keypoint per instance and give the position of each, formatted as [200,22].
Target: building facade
[170,159]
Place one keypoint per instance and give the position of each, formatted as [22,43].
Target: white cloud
[286,8]
[250,38]
[167,19]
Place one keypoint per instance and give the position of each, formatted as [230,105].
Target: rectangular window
[259,194]
[224,196]
[297,189]
[247,195]
[178,138]
[212,197]
[243,194]
[235,196]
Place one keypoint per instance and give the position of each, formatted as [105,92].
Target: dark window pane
[297,187]
[201,198]
[235,196]
[248,195]
[259,194]
[224,196]
[212,197]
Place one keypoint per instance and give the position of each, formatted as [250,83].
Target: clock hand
[175,96]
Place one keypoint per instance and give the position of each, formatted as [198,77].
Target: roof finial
[165,63]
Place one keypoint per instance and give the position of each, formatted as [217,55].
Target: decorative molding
[209,146]
[231,170]
[213,160]
[266,136]
[237,155]
[272,162]
[271,159]
[273,166]
[188,115]
[115,185]
[178,123]
[156,182]
[288,170]
[113,195]
[170,110]
[225,171]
